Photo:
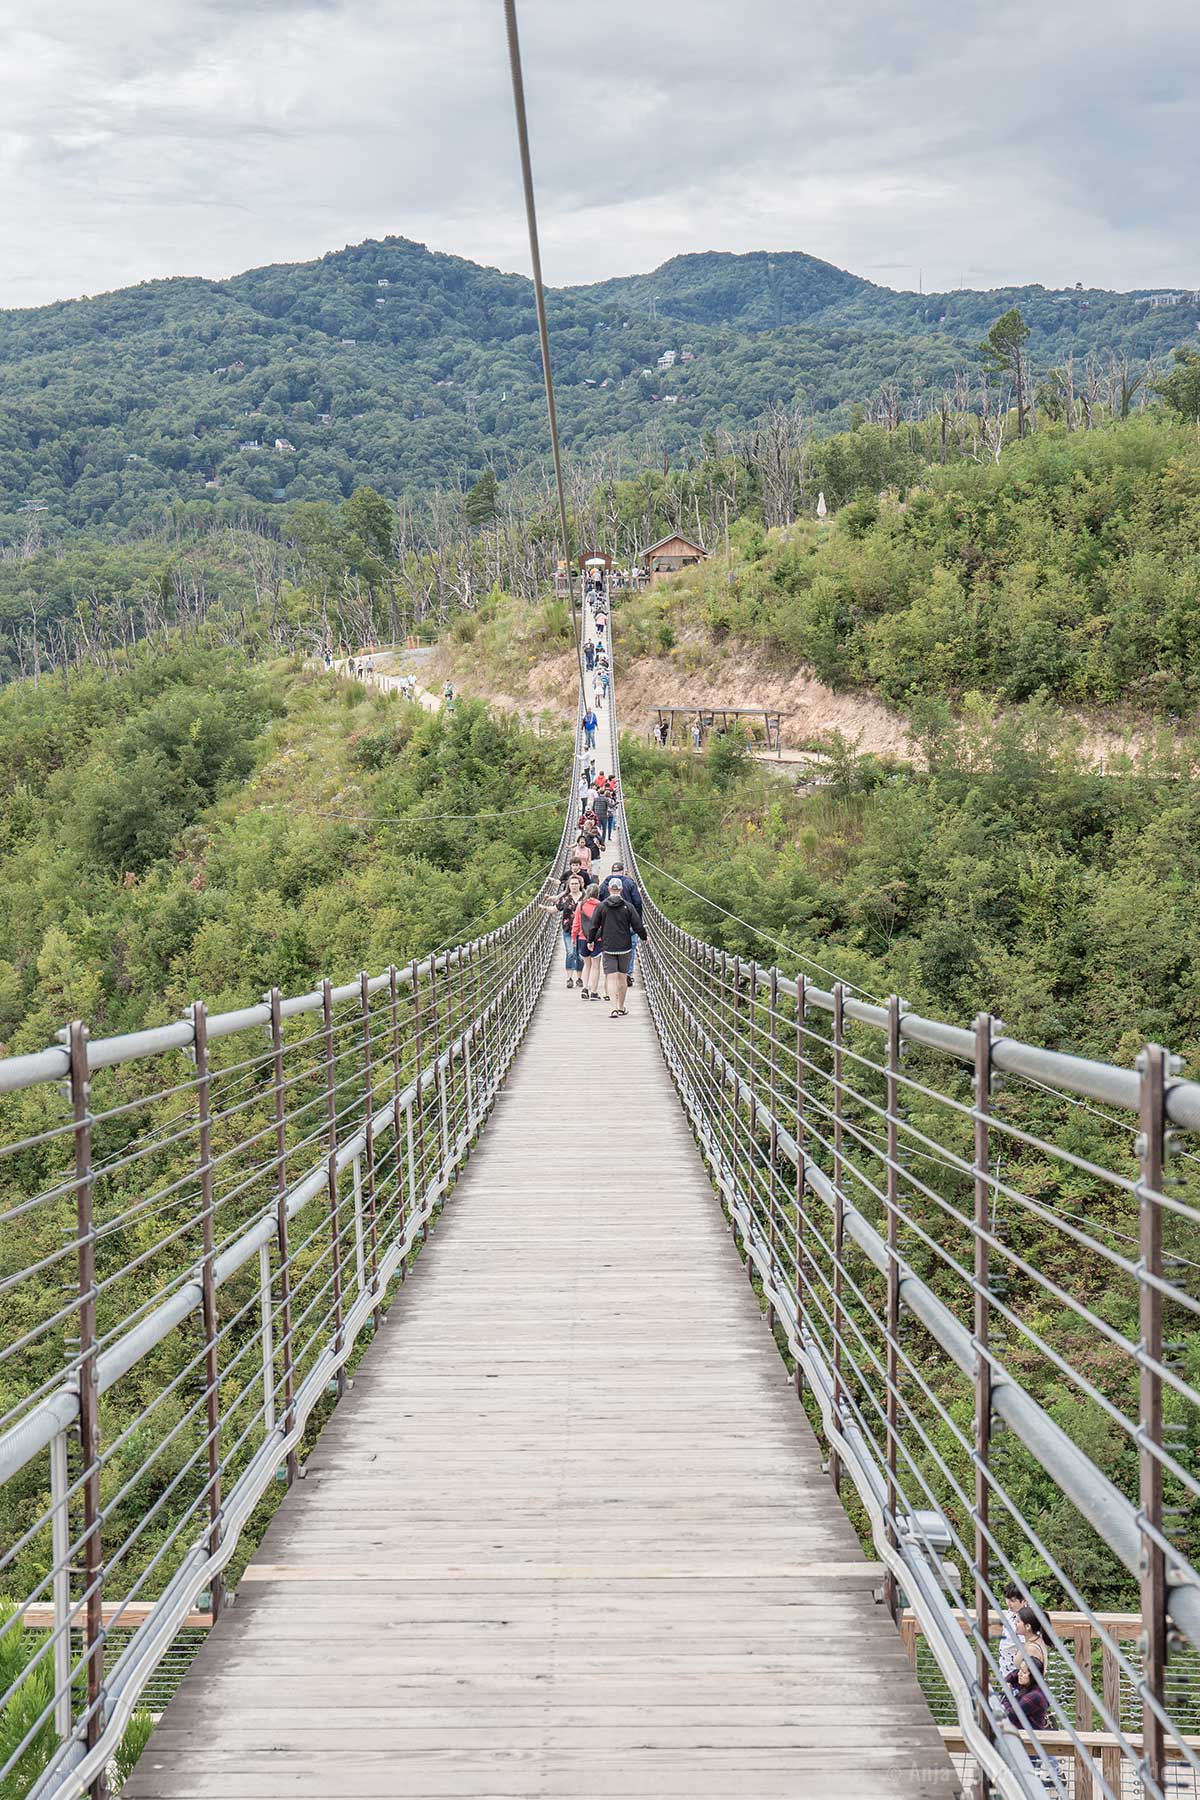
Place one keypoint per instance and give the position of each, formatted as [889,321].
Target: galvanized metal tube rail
[910,1264]
[270,1198]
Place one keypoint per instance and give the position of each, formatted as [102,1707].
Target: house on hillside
[667,360]
[284,444]
[671,554]
[383,282]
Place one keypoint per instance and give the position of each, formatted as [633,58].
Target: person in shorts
[613,928]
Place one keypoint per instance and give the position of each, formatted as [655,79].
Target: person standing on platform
[590,723]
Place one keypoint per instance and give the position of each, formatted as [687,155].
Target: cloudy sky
[934,140]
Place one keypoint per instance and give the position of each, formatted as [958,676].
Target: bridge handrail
[763,1088]
[376,1106]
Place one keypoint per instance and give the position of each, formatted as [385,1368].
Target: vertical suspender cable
[539,292]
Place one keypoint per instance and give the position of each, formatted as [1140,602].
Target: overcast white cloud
[1039,140]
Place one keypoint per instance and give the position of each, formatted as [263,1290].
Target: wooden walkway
[568,1535]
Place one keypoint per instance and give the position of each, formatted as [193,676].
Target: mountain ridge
[389,363]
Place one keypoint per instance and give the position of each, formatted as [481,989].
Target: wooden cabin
[670,555]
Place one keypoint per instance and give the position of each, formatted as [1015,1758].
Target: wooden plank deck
[568,1535]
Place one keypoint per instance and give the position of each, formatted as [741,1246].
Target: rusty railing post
[417,1111]
[983,1373]
[397,1086]
[1152,1068]
[839,1322]
[89,1397]
[893,1284]
[773,1148]
[208,1293]
[369,1185]
[801,1170]
[331,1174]
[281,1228]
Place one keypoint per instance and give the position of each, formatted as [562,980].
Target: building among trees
[670,555]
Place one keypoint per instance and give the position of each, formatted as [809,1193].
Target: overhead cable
[539,294]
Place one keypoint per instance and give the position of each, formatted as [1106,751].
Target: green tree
[369,519]
[1003,353]
[480,505]
[1181,388]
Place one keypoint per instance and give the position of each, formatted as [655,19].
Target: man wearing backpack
[615,924]
[633,894]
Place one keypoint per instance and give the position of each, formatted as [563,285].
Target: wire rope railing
[1001,1404]
[202,1224]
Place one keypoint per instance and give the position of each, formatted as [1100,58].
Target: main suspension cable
[539,293]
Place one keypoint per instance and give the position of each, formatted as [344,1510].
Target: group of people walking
[1023,1660]
[601,921]
[600,915]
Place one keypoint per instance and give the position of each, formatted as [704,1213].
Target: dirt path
[389,675]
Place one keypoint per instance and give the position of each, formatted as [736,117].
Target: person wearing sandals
[615,924]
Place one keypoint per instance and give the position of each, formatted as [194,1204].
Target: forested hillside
[1069,568]
[196,824]
[394,366]
[1007,876]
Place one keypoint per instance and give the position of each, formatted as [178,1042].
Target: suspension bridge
[570,1498]
[568,1529]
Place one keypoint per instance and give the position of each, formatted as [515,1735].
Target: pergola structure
[718,719]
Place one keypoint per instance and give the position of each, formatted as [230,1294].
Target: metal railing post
[982,1095]
[368,1184]
[60,1543]
[416,1112]
[470,1015]
[266,1337]
[839,1322]
[1152,1068]
[281,1227]
[893,1283]
[89,1396]
[801,1169]
[752,1118]
[208,1289]
[397,1086]
[331,1174]
[773,1149]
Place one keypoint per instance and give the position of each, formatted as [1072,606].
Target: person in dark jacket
[613,928]
[633,894]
